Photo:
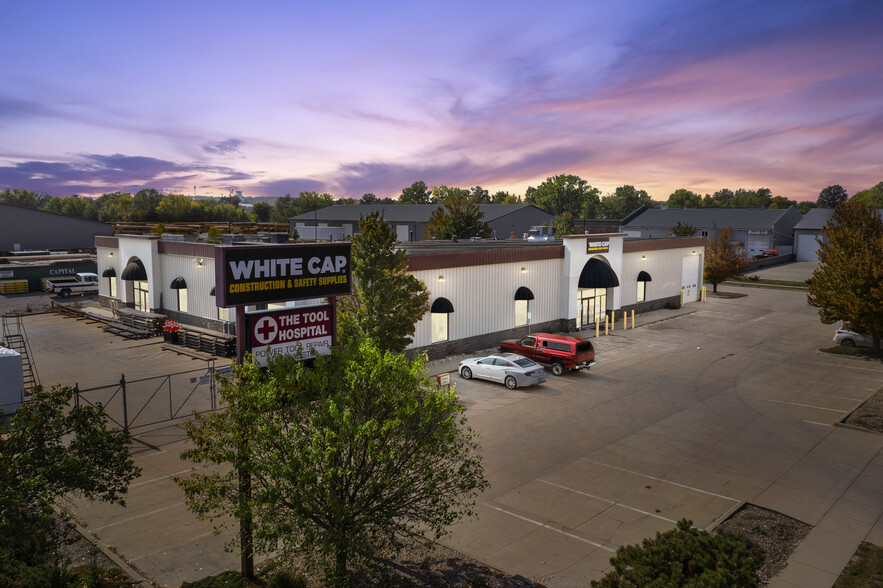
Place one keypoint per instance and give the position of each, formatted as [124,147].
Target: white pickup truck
[82,283]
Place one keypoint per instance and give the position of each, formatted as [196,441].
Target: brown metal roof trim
[111,242]
[187,248]
[470,258]
[657,244]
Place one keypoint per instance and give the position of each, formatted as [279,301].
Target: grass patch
[725,294]
[854,352]
[864,570]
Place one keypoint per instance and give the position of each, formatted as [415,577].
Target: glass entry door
[593,305]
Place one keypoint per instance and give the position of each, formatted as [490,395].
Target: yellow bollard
[597,328]
[625,318]
[606,324]
[703,292]
[612,317]
[633,319]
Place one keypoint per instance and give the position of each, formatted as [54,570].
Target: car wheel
[557,368]
[510,382]
[466,373]
[848,343]
[65,293]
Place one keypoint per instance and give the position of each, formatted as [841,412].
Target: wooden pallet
[13,286]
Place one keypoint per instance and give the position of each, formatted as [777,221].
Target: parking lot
[686,417]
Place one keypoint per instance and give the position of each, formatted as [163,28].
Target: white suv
[848,338]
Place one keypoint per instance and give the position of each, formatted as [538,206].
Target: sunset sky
[276,97]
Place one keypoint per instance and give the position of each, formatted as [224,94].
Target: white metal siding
[483,296]
[665,268]
[200,281]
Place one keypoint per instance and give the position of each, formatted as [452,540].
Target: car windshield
[524,362]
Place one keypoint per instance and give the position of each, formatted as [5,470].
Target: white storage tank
[12,388]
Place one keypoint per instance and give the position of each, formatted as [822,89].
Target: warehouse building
[756,229]
[27,229]
[480,292]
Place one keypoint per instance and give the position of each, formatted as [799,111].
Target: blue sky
[352,97]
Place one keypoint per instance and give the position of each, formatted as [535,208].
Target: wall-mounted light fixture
[110,254]
[441,278]
[694,252]
[643,258]
[200,261]
[524,270]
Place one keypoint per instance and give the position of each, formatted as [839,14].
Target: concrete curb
[136,576]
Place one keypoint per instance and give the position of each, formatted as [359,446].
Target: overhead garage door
[756,244]
[690,278]
[403,233]
[807,248]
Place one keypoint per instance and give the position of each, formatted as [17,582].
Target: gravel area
[869,415]
[777,534]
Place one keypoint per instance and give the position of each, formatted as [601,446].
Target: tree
[503,197]
[564,225]
[805,206]
[723,259]
[345,459]
[847,285]
[23,198]
[683,198]
[460,216]
[416,193]
[565,193]
[144,205]
[480,195]
[832,196]
[872,197]
[439,194]
[369,198]
[781,203]
[47,451]
[682,230]
[685,556]
[624,201]
[262,211]
[386,301]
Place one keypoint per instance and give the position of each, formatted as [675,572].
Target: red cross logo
[265,330]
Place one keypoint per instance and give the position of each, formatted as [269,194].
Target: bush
[228,579]
[685,556]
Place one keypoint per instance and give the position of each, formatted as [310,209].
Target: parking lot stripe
[817,423]
[550,527]
[141,516]
[607,501]
[145,482]
[797,404]
[658,479]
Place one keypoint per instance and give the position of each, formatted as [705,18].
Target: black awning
[212,293]
[109,273]
[644,277]
[523,293]
[597,274]
[442,306]
[135,271]
[178,284]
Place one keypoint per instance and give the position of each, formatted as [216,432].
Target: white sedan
[849,338]
[508,368]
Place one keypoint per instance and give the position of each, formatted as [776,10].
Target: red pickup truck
[560,352]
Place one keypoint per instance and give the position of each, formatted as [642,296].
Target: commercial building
[480,292]
[756,229]
[27,229]
[408,221]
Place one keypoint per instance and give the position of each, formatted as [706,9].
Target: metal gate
[133,404]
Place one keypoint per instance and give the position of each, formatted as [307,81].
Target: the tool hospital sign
[298,332]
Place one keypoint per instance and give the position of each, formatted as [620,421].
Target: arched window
[180,285]
[523,296]
[135,273]
[111,275]
[643,278]
[440,310]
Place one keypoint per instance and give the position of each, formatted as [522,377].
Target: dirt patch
[869,415]
[777,534]
[422,563]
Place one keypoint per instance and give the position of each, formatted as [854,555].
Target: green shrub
[286,579]
[684,556]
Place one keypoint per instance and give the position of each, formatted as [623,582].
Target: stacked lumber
[13,286]
[212,342]
[145,321]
